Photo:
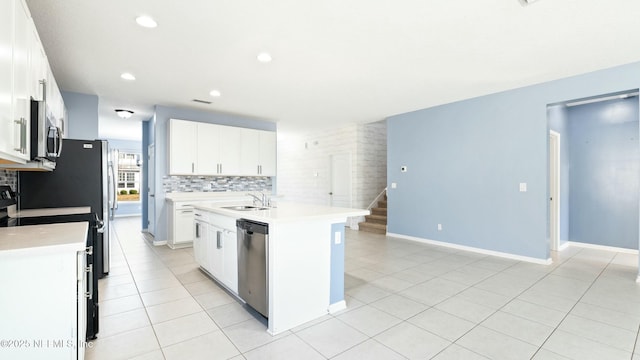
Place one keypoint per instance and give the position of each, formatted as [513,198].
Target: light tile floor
[405,300]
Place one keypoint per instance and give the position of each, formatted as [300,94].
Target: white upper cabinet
[218,149]
[15,29]
[23,64]
[182,147]
[197,148]
[258,153]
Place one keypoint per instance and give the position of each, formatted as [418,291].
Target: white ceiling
[335,62]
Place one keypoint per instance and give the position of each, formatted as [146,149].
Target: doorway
[554,190]
[340,186]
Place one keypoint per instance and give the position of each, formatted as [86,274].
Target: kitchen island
[305,257]
[42,305]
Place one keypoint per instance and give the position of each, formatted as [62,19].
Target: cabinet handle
[22,123]
[89,271]
[218,239]
[197,229]
[220,168]
[193,165]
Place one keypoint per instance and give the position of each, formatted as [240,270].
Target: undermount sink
[245,208]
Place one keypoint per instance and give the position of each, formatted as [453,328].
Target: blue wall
[605,168]
[466,159]
[559,122]
[337,264]
[82,115]
[160,139]
[144,189]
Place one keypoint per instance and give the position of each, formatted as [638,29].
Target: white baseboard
[127,215]
[564,246]
[339,306]
[603,247]
[159,242]
[474,249]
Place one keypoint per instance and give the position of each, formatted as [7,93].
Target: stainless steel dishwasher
[253,254]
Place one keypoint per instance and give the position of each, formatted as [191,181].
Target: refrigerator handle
[112,190]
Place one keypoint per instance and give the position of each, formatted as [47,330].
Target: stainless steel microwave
[46,136]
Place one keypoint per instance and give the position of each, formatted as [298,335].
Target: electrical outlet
[337,238]
[394,185]
[439,227]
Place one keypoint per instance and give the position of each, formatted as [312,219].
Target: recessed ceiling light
[127,76]
[125,114]
[146,21]
[215,93]
[264,57]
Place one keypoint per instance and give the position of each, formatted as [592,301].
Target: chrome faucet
[264,201]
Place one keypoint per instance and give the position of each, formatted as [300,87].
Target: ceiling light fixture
[527,2]
[128,76]
[124,114]
[215,93]
[146,21]
[264,57]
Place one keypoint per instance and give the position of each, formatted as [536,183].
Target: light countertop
[207,196]
[284,212]
[50,237]
[24,213]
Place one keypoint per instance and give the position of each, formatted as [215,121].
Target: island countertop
[284,212]
[62,237]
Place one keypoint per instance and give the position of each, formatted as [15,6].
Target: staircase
[376,222]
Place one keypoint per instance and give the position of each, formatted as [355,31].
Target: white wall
[298,165]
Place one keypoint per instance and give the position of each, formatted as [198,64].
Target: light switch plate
[394,185]
[523,187]
[337,237]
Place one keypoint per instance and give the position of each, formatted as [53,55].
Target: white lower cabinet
[181,229]
[215,247]
[43,306]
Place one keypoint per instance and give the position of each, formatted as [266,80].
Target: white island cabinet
[215,247]
[42,303]
[305,261]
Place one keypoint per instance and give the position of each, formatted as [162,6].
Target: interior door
[151,194]
[340,187]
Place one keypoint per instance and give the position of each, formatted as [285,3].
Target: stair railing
[375,201]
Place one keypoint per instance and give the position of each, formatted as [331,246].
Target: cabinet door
[250,152]
[7,129]
[183,226]
[37,61]
[21,46]
[215,251]
[230,260]
[230,150]
[268,144]
[208,149]
[182,147]
[200,244]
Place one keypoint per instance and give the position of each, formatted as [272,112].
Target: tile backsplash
[215,183]
[9,177]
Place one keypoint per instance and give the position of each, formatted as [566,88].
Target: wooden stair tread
[373,228]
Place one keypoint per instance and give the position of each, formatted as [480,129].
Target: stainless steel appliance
[46,136]
[253,255]
[80,179]
[8,199]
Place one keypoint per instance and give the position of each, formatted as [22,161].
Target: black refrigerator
[82,177]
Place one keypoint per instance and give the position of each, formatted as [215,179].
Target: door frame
[554,191]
